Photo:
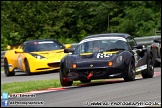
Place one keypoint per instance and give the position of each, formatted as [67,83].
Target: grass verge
[2,68]
[27,86]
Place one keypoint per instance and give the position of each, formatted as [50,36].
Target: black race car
[156,49]
[102,56]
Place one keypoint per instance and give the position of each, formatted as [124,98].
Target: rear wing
[14,46]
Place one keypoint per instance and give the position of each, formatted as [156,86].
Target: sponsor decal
[45,42]
[102,38]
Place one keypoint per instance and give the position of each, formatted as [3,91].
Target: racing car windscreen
[101,44]
[42,46]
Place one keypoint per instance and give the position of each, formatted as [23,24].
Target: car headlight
[37,56]
[119,59]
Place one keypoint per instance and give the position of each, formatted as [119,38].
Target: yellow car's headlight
[37,56]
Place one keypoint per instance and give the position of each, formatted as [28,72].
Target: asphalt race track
[139,92]
[20,76]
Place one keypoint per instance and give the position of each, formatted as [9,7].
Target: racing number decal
[20,61]
[101,55]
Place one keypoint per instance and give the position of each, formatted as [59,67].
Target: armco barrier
[147,40]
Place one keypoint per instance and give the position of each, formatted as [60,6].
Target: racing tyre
[63,80]
[85,81]
[27,68]
[149,72]
[156,63]
[130,76]
[6,69]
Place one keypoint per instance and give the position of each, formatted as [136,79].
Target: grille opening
[42,68]
[95,72]
[54,64]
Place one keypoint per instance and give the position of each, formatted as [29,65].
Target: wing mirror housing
[67,46]
[19,51]
[68,50]
[8,47]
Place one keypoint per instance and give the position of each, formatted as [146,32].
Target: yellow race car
[34,56]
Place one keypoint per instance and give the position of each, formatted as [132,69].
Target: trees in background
[71,21]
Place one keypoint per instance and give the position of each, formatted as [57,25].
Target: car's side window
[24,48]
[76,51]
[82,48]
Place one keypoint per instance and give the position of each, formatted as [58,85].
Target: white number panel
[101,55]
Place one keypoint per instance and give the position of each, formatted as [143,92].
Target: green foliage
[71,21]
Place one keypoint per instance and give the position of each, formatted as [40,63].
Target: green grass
[2,68]
[20,87]
[27,86]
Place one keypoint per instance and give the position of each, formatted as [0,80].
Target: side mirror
[19,51]
[157,41]
[68,50]
[67,46]
[8,47]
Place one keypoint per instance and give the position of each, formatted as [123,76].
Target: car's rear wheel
[6,69]
[149,72]
[63,79]
[130,76]
[155,55]
[27,67]
[157,64]
[85,81]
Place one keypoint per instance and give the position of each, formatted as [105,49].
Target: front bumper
[43,65]
[96,73]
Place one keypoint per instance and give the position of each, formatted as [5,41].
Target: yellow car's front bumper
[43,65]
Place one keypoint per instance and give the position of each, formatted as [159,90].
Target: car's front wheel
[130,76]
[6,69]
[27,67]
[149,72]
[63,80]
